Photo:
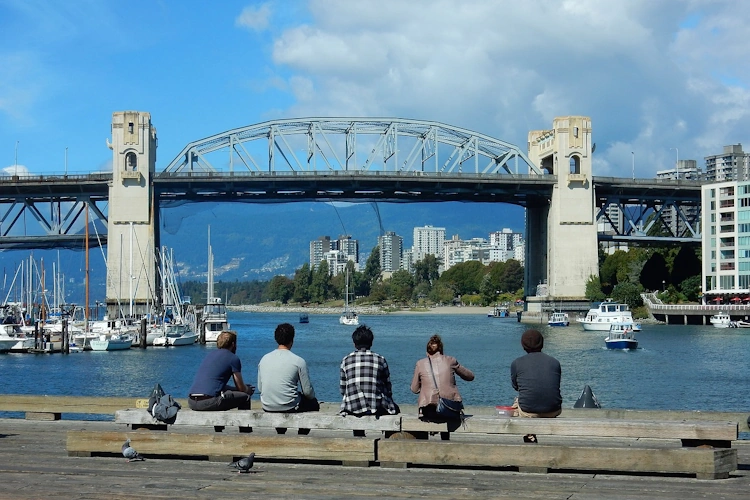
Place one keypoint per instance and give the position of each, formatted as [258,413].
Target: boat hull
[110,344]
[558,323]
[621,344]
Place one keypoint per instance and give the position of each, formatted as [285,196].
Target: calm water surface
[675,367]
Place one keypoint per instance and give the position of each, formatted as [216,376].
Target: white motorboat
[176,335]
[558,319]
[348,317]
[721,320]
[7,343]
[621,336]
[111,343]
[600,318]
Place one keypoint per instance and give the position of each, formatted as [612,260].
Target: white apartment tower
[428,240]
[391,248]
[318,249]
[732,165]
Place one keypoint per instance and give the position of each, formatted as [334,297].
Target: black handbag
[446,408]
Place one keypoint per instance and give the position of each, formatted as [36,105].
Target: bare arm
[240,384]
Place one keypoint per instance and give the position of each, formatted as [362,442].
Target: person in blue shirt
[210,390]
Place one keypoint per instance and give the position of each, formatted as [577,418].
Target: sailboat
[348,317]
[177,326]
[214,312]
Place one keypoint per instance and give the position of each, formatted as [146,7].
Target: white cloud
[19,170]
[649,79]
[255,18]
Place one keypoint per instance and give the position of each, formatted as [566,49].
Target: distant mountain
[259,241]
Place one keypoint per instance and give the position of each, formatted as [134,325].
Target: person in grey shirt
[536,377]
[283,379]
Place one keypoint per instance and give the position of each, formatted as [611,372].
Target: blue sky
[654,76]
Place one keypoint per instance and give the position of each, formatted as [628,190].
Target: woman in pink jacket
[444,368]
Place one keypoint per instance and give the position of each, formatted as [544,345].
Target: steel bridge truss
[352,144]
[51,211]
[650,221]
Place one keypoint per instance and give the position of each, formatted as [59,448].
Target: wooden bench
[246,420]
[53,407]
[704,447]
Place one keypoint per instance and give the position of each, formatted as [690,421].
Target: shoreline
[362,311]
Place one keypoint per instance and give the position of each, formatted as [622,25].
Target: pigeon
[244,464]
[130,453]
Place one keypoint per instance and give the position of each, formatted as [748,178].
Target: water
[675,367]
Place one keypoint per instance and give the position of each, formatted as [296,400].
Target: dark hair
[284,334]
[226,339]
[435,338]
[362,337]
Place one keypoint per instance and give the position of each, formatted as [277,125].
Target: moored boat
[111,343]
[558,319]
[600,318]
[621,336]
[214,316]
[721,320]
[304,318]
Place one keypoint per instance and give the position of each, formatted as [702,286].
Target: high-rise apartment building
[428,240]
[391,248]
[726,238]
[318,249]
[732,165]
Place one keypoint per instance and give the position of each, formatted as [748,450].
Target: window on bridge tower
[575,165]
[131,162]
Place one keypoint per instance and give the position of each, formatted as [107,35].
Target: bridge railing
[654,304]
[54,178]
[349,173]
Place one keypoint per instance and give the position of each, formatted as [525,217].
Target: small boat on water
[111,343]
[304,318]
[348,317]
[558,319]
[739,324]
[599,318]
[499,312]
[621,336]
[721,320]
[214,316]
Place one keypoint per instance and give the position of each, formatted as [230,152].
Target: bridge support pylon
[133,213]
[562,246]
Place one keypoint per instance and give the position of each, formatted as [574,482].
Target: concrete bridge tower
[132,238]
[562,245]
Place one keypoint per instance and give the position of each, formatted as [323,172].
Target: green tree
[441,294]
[488,290]
[691,288]
[654,274]
[280,289]
[427,269]
[627,293]
[511,278]
[371,273]
[685,265]
[401,286]
[594,291]
[302,281]
[321,283]
[464,278]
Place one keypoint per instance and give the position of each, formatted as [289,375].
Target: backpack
[165,410]
[155,396]
[162,406]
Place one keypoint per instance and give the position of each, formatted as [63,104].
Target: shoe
[530,438]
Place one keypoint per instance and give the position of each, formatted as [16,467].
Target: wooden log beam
[150,444]
[705,463]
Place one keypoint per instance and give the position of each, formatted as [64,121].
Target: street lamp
[66,162]
[677,163]
[15,162]
[633,154]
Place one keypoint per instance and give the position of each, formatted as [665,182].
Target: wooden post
[202,331]
[65,338]
[37,344]
[143,333]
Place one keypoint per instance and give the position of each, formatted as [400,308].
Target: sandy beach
[364,310]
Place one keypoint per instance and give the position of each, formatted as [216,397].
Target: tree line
[472,282]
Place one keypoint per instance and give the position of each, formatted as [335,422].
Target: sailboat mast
[130,313]
[86,306]
[210,274]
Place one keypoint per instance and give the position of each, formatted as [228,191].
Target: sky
[660,79]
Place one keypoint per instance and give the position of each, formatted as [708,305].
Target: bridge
[350,159]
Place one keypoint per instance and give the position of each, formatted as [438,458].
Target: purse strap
[433,376]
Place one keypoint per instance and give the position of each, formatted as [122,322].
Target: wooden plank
[219,445]
[697,430]
[68,404]
[709,463]
[32,415]
[259,418]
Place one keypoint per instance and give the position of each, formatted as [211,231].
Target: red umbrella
[717,299]
[736,299]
